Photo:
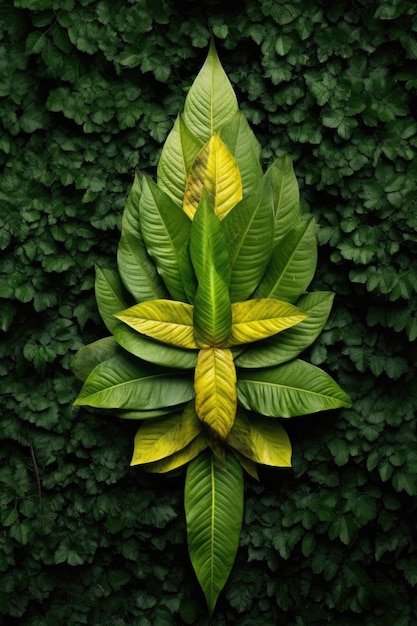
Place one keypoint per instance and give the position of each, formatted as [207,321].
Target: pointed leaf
[164,320]
[146,414]
[242,143]
[88,357]
[292,265]
[159,438]
[248,465]
[165,229]
[111,299]
[215,389]
[287,196]
[125,383]
[260,439]
[291,342]
[215,170]
[257,319]
[178,459]
[137,271]
[131,213]
[214,511]
[178,152]
[211,101]
[295,388]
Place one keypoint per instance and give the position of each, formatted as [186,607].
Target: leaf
[111,299]
[295,388]
[164,320]
[178,459]
[287,197]
[291,342]
[257,319]
[292,265]
[215,389]
[165,229]
[215,170]
[212,309]
[137,271]
[211,101]
[125,383]
[249,232]
[131,213]
[214,511]
[88,357]
[260,439]
[178,152]
[159,438]
[242,143]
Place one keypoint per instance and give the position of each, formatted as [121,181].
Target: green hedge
[88,93]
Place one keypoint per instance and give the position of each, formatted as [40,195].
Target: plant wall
[89,92]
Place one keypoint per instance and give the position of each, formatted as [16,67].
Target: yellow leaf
[168,321]
[248,465]
[260,318]
[215,169]
[215,389]
[260,439]
[180,458]
[162,437]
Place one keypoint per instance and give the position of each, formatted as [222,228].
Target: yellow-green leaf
[260,439]
[260,318]
[178,459]
[215,389]
[165,320]
[162,437]
[214,169]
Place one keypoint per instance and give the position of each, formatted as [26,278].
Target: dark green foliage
[88,93]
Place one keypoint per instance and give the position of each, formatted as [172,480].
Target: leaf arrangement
[208,313]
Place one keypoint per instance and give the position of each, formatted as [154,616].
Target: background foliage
[89,91]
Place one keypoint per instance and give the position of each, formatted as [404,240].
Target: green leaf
[178,152]
[211,101]
[131,213]
[295,388]
[214,511]
[111,299]
[165,229]
[88,357]
[178,459]
[292,265]
[125,383]
[286,197]
[291,342]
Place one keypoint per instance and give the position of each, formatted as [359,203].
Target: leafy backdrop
[88,93]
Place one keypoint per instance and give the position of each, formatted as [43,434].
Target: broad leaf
[242,143]
[215,390]
[165,229]
[260,439]
[131,213]
[111,299]
[178,459]
[159,438]
[257,319]
[214,511]
[137,271]
[287,196]
[146,414]
[211,101]
[124,383]
[215,170]
[249,234]
[292,265]
[178,152]
[88,357]
[291,342]
[295,388]
[164,320]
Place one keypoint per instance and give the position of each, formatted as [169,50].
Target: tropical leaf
[215,170]
[88,357]
[137,271]
[291,342]
[159,438]
[212,309]
[131,213]
[146,414]
[295,388]
[178,152]
[111,298]
[215,390]
[257,319]
[124,383]
[287,196]
[178,459]
[248,465]
[260,439]
[165,229]
[211,101]
[214,511]
[242,143]
[292,265]
[165,320]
